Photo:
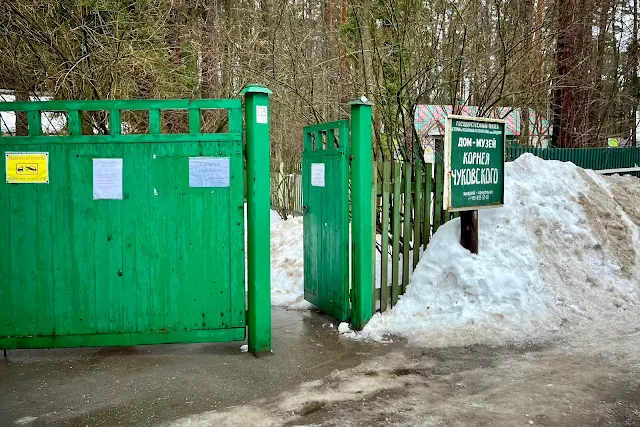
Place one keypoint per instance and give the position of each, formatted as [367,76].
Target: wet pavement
[150,385]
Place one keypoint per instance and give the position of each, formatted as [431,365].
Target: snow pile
[287,263]
[561,253]
[344,327]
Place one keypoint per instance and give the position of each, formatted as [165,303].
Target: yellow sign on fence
[25,168]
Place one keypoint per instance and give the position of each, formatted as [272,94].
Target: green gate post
[362,206]
[257,117]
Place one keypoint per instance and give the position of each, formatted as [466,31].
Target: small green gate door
[325,182]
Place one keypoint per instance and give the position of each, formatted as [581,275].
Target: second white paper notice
[209,172]
[317,174]
[107,179]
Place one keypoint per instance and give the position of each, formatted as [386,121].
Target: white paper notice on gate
[107,179]
[209,172]
[317,174]
[262,114]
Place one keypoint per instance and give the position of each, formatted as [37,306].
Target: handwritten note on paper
[209,172]
[107,179]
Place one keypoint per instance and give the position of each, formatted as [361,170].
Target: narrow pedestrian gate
[325,183]
[338,215]
[122,239]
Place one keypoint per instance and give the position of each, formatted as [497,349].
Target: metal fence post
[362,208]
[257,118]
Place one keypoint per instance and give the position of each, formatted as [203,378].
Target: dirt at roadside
[459,386]
[604,214]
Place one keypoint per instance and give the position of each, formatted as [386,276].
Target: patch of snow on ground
[25,420]
[344,327]
[287,263]
[559,255]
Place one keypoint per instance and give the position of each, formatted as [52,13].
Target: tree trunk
[344,64]
[603,20]
[173,32]
[635,80]
[569,124]
[22,123]
[527,71]
[539,65]
[174,122]
[210,51]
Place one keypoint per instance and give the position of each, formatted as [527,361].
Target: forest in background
[574,61]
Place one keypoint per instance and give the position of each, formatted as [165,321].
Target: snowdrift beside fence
[287,264]
[287,261]
[561,254]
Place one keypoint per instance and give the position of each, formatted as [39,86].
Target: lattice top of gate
[111,128]
[331,136]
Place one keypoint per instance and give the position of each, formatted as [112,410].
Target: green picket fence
[408,210]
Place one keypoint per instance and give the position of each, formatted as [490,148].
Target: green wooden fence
[408,210]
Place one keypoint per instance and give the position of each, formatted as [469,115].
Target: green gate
[337,157]
[325,183]
[125,239]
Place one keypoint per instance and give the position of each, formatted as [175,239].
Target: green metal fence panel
[325,175]
[164,264]
[587,158]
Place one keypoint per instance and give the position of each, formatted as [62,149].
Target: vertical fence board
[395,258]
[439,188]
[115,123]
[155,121]
[406,233]
[417,208]
[74,122]
[34,123]
[428,190]
[384,256]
